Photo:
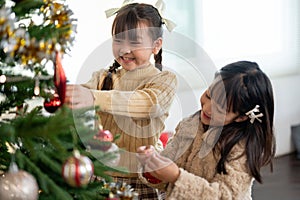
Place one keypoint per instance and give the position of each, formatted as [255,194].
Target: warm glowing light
[2,78]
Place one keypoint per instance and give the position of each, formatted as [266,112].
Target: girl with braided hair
[133,95]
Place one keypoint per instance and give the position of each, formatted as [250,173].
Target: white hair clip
[251,114]
[159,5]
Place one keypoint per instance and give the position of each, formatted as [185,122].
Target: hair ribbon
[159,5]
[112,11]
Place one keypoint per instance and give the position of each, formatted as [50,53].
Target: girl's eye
[117,41]
[135,43]
[207,95]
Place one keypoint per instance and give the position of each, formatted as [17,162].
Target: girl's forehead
[142,32]
[142,24]
[218,92]
[217,85]
[119,27]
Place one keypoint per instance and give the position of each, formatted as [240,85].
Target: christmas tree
[40,146]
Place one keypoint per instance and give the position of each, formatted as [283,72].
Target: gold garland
[28,50]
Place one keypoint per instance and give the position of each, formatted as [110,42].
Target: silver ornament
[77,170]
[18,185]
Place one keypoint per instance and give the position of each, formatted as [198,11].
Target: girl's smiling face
[222,103]
[133,49]
[212,113]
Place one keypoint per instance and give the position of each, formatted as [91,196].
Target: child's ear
[157,46]
[241,118]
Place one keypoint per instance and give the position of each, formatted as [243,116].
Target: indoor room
[199,38]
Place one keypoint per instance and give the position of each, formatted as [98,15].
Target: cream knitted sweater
[135,109]
[198,176]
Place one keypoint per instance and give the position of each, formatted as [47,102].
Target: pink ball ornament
[106,138]
[77,170]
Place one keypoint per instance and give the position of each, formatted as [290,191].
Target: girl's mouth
[126,59]
[205,115]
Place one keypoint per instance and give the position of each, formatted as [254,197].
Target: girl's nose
[124,50]
[208,108]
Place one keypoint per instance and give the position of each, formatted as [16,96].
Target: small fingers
[78,97]
[144,153]
[157,162]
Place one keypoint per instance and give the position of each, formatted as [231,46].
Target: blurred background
[221,32]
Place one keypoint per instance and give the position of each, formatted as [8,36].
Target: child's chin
[205,122]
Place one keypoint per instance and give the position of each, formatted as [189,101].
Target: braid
[108,82]
[158,59]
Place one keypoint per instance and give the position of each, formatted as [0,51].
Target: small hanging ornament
[36,90]
[77,170]
[57,99]
[52,104]
[60,80]
[105,137]
[18,185]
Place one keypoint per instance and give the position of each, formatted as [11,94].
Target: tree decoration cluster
[29,31]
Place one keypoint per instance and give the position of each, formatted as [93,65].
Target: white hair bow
[110,12]
[251,114]
[159,5]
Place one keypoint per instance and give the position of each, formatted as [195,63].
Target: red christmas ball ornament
[52,104]
[77,170]
[106,138]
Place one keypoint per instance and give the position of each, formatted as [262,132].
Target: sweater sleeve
[152,99]
[234,185]
[95,80]
[173,146]
[185,133]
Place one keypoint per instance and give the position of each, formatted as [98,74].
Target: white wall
[94,30]
[287,110]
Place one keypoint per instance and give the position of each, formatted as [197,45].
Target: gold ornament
[30,50]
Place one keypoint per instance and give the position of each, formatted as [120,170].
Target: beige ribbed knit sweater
[136,108]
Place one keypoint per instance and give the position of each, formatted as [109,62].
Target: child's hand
[144,153]
[78,97]
[160,167]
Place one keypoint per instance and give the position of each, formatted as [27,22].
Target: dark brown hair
[128,18]
[245,86]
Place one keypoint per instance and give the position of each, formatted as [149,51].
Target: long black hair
[128,18]
[245,86]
